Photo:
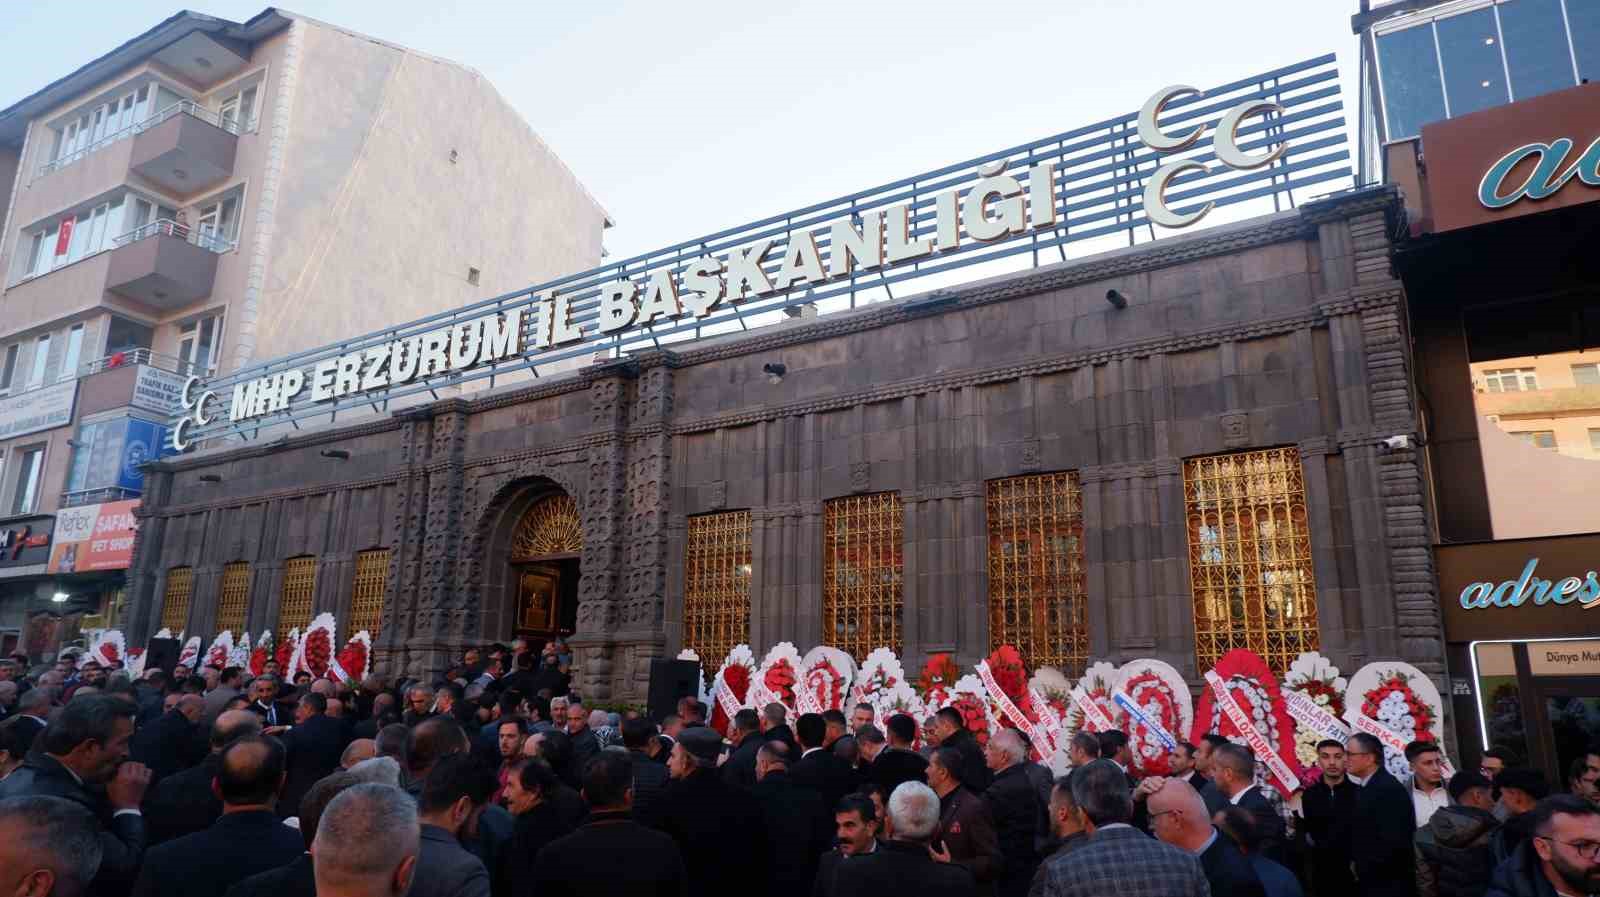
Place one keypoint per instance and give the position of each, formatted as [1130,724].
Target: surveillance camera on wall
[1398,443]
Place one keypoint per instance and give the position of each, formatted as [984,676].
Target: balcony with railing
[183,138]
[165,264]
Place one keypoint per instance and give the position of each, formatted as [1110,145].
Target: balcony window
[10,369]
[199,343]
[1545,439]
[238,111]
[220,220]
[1587,374]
[1469,47]
[1511,380]
[69,362]
[1535,47]
[25,491]
[41,357]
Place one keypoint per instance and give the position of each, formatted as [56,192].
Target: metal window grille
[294,599]
[862,586]
[366,596]
[1038,597]
[551,526]
[1250,556]
[175,604]
[716,585]
[235,596]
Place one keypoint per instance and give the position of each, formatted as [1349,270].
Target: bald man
[171,744]
[367,843]
[1178,817]
[358,750]
[185,802]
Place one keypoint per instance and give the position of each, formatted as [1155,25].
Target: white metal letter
[801,262]
[1150,132]
[850,247]
[703,284]
[1227,137]
[901,247]
[616,305]
[660,297]
[1155,202]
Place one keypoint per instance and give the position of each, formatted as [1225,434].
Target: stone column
[441,620]
[600,506]
[403,579]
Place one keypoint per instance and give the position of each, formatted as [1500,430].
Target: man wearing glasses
[1562,859]
[1380,841]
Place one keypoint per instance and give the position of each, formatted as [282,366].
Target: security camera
[775,371]
[1397,443]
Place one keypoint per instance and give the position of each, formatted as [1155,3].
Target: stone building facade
[1285,332]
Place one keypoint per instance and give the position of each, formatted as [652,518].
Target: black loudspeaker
[669,681]
[162,654]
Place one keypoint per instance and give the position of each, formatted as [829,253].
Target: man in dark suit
[1381,840]
[649,777]
[168,745]
[297,878]
[185,802]
[740,768]
[1233,769]
[33,710]
[717,826]
[1181,759]
[1117,858]
[797,825]
[775,726]
[904,862]
[1013,802]
[629,858]
[966,827]
[856,829]
[1209,742]
[1178,815]
[265,704]
[249,838]
[455,791]
[818,768]
[84,747]
[950,731]
[315,743]
[1329,808]
[898,763]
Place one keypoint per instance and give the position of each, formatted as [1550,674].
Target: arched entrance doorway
[544,553]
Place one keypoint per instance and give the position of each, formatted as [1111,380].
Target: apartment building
[212,193]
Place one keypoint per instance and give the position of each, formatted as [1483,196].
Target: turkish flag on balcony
[64,238]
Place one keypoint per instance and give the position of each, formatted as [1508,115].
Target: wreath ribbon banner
[1308,713]
[1047,717]
[728,703]
[337,670]
[1007,708]
[1287,782]
[1093,716]
[1132,709]
[1392,740]
[805,699]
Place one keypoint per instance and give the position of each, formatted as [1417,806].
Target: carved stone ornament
[1235,428]
[1030,454]
[861,476]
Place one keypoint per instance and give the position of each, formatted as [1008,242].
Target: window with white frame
[41,357]
[101,123]
[69,361]
[1545,439]
[25,488]
[220,219]
[103,226]
[1587,374]
[1510,380]
[237,110]
[199,343]
[10,369]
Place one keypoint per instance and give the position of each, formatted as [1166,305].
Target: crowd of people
[497,781]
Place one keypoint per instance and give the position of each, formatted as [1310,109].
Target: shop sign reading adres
[996,207]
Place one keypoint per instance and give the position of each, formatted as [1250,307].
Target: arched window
[862,588]
[294,598]
[175,601]
[366,595]
[235,597]
[716,585]
[1250,556]
[1038,599]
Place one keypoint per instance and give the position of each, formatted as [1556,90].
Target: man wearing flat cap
[717,825]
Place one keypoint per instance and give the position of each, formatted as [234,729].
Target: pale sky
[685,118]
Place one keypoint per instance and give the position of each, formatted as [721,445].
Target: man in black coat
[315,743]
[249,838]
[818,768]
[797,825]
[649,777]
[1178,816]
[265,704]
[775,726]
[1381,839]
[1018,816]
[716,825]
[184,802]
[950,730]
[740,768]
[1329,808]
[297,878]
[898,763]
[902,864]
[611,854]
[32,711]
[1233,769]
[82,748]
[168,745]
[856,829]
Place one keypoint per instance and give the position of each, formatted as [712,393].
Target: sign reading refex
[1184,153]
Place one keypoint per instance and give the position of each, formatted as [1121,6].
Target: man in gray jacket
[453,795]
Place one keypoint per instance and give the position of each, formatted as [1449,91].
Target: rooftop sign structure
[1185,153]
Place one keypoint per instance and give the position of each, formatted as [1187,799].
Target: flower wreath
[287,649]
[1161,695]
[1317,678]
[971,699]
[734,678]
[879,674]
[240,656]
[780,673]
[259,655]
[1256,691]
[1395,705]
[315,648]
[939,675]
[221,648]
[1097,684]
[827,673]
[355,658]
